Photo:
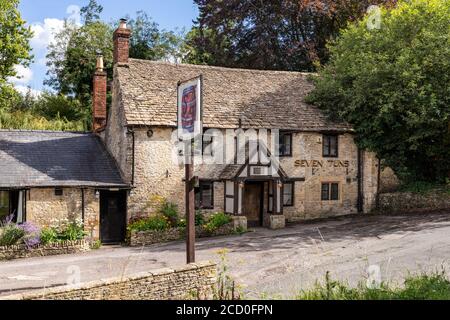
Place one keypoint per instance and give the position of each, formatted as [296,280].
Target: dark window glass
[58,192]
[334,191]
[325,191]
[204,195]
[330,146]
[288,194]
[285,146]
[4,205]
[330,191]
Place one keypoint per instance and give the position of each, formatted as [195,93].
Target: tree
[14,46]
[91,12]
[72,59]
[393,85]
[150,43]
[286,35]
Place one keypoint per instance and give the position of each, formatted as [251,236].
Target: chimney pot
[123,24]
[100,65]
[122,43]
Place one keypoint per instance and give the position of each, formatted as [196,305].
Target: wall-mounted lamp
[149,133]
[97,194]
[241,184]
[279,184]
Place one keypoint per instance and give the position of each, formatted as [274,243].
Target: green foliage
[49,235]
[70,231]
[73,231]
[27,120]
[225,287]
[217,220]
[393,85]
[91,12]
[199,218]
[150,43]
[286,35]
[97,244]
[10,234]
[170,212]
[424,187]
[417,287]
[57,106]
[14,39]
[158,222]
[72,59]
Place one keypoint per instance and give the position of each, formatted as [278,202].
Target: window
[285,144]
[330,191]
[58,191]
[330,145]
[288,194]
[204,195]
[4,205]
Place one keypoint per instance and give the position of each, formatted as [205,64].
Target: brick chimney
[99,96]
[122,43]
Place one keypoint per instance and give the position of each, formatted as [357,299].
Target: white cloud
[24,90]
[44,33]
[24,75]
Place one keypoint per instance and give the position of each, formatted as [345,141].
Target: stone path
[273,263]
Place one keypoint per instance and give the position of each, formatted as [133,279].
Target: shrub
[416,287]
[32,234]
[182,223]
[158,222]
[170,211]
[49,235]
[199,218]
[73,231]
[216,221]
[10,234]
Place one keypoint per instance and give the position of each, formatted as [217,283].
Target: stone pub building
[107,176]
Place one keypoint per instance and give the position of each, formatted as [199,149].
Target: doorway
[113,216]
[253,203]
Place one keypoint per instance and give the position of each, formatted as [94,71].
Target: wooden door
[252,203]
[112,216]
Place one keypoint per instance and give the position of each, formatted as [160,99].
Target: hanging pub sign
[189,108]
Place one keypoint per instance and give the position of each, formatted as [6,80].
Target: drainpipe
[360,181]
[82,205]
[131,131]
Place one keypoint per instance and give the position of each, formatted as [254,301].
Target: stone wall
[44,208]
[342,169]
[403,202]
[193,281]
[21,251]
[157,174]
[142,238]
[117,140]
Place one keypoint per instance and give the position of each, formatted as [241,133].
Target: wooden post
[190,212]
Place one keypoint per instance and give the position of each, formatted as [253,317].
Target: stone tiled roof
[259,99]
[50,159]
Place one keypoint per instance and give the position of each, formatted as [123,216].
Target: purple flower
[32,236]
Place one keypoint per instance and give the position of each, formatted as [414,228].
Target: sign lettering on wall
[322,163]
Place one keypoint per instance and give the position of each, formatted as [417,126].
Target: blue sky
[46,17]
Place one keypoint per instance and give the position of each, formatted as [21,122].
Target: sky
[46,18]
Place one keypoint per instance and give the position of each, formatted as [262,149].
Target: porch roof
[55,159]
